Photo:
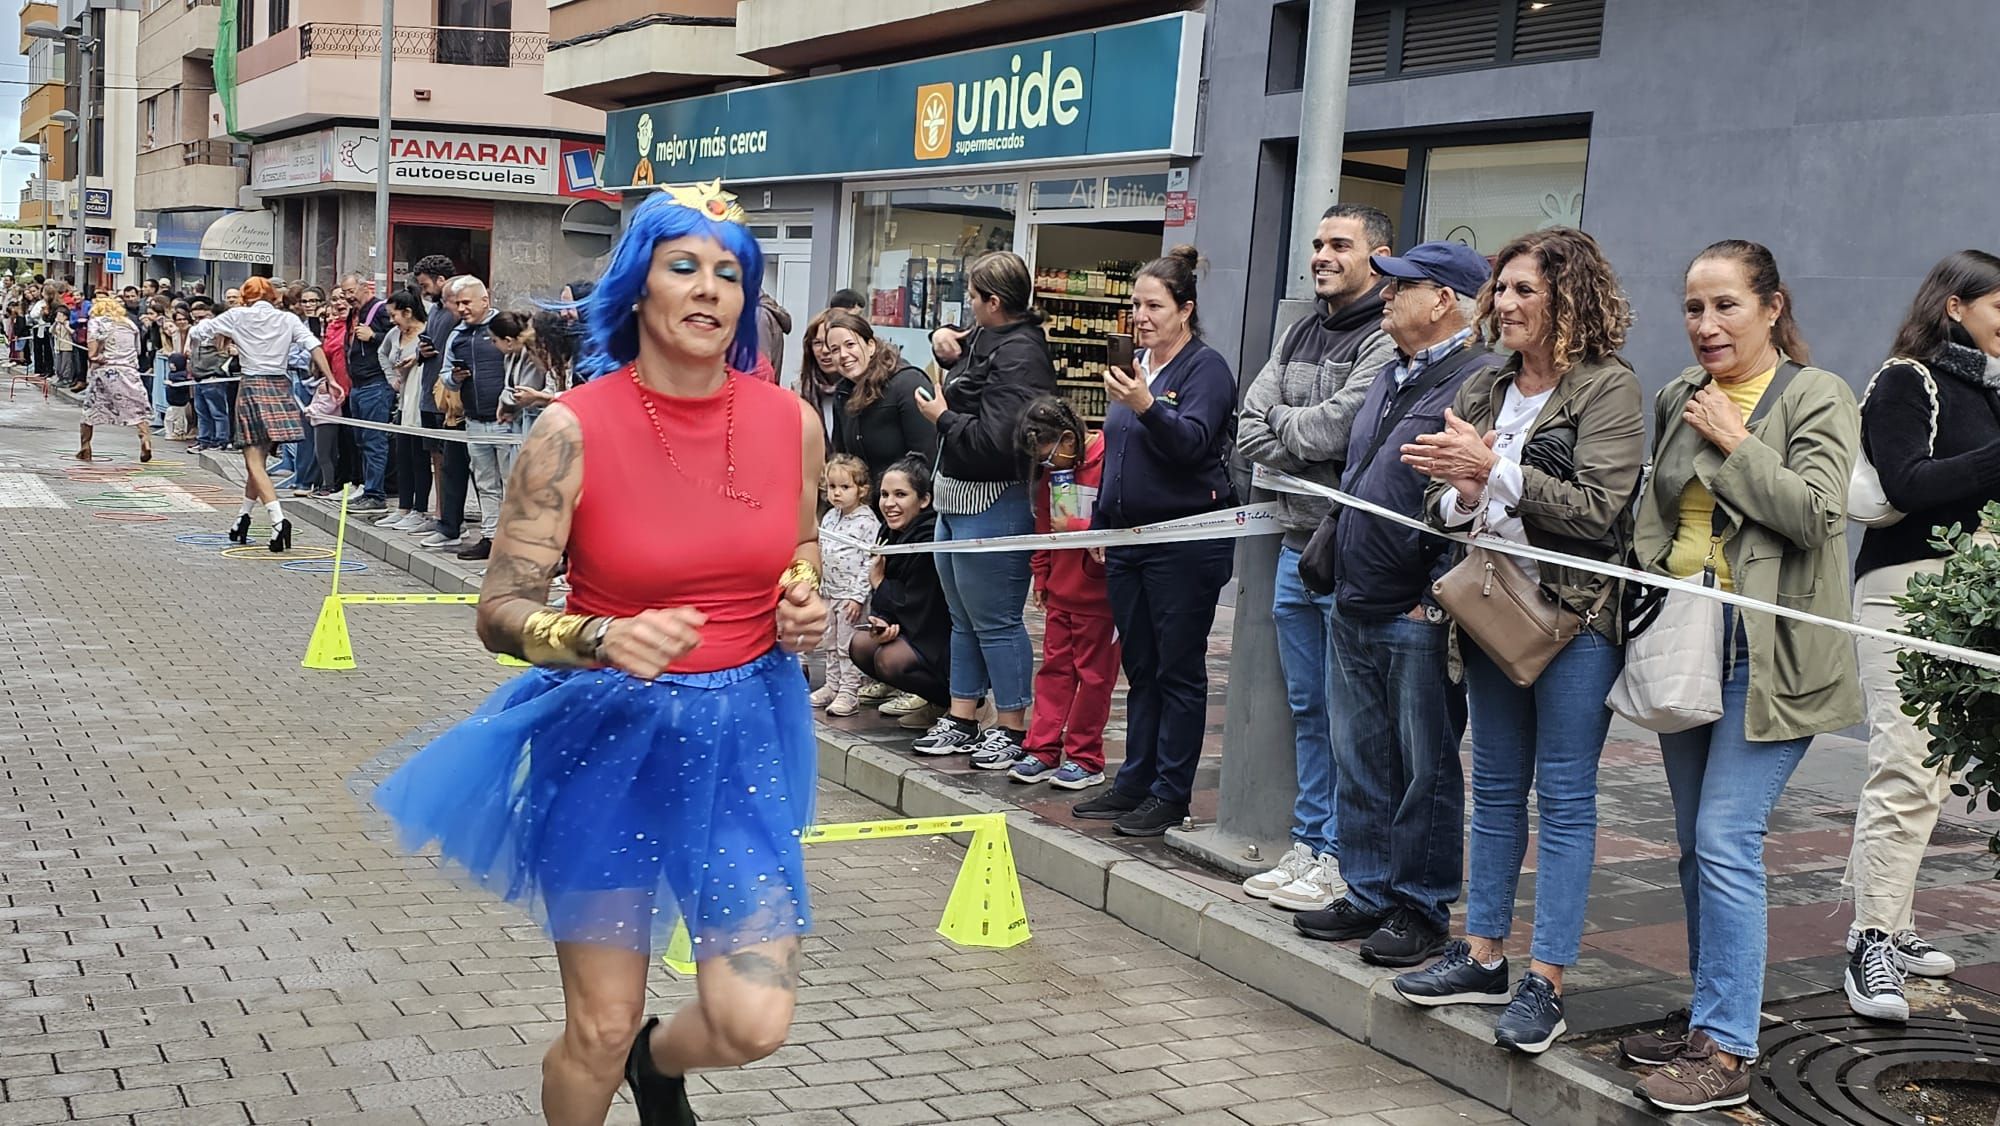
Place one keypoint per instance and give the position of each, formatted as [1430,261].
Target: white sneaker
[904,704]
[843,705]
[1314,891]
[1916,956]
[1874,979]
[874,692]
[822,696]
[410,522]
[1290,867]
[392,518]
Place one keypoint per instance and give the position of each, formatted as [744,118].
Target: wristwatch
[597,638]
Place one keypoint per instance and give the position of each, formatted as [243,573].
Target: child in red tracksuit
[1080,646]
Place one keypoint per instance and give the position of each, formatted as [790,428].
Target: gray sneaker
[997,749]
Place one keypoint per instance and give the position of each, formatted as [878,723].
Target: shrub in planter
[1959,704]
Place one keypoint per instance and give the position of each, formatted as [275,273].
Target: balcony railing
[459,46]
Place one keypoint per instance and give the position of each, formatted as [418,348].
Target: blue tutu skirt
[614,808]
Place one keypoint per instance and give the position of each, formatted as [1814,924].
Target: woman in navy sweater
[1166,449]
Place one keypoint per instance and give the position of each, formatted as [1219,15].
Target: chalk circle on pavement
[125,501]
[218,539]
[131,517]
[324,566]
[258,551]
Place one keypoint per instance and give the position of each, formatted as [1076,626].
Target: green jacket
[1783,496]
[1590,516]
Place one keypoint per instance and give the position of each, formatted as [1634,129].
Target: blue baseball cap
[1453,265]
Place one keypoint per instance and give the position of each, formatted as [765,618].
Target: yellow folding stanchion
[985,908]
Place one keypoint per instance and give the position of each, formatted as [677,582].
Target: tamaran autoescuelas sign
[1126,91]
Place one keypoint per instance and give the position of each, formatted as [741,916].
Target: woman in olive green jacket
[1780,487]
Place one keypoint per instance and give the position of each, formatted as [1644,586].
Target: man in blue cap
[1398,718]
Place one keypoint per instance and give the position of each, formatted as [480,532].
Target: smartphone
[926,393]
[876,628]
[1121,351]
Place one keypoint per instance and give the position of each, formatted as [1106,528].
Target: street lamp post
[87,50]
[41,150]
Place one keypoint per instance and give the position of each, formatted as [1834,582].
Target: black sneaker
[1455,979]
[368,504]
[1407,939]
[481,550]
[1534,1018]
[1342,922]
[1874,979]
[1153,818]
[660,1099]
[948,736]
[1107,806]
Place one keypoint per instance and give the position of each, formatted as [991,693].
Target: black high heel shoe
[241,532]
[281,536]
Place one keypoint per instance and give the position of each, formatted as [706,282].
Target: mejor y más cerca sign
[1127,91]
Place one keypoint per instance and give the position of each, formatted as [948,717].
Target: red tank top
[645,537]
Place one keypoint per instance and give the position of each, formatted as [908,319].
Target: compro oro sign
[454,161]
[240,236]
[1121,92]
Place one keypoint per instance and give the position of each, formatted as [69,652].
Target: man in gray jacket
[1296,418]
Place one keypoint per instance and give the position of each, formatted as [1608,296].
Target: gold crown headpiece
[710,200]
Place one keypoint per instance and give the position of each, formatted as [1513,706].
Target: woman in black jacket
[877,419]
[981,491]
[908,639]
[1930,424]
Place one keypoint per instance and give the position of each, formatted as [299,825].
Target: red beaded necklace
[728,440]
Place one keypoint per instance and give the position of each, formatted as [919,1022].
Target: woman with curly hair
[117,396]
[1544,451]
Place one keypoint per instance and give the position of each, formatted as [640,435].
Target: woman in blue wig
[654,772]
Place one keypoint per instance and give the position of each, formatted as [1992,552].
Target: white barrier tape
[425,432]
[199,382]
[1286,483]
[1228,524]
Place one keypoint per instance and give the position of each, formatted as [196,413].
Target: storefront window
[912,246]
[1485,195]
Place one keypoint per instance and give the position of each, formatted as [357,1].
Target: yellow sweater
[1690,553]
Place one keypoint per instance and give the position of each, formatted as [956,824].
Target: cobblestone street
[202,922]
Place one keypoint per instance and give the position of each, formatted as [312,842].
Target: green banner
[225,64]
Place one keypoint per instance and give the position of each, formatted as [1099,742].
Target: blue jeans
[985,594]
[301,458]
[1550,737]
[158,387]
[1163,599]
[1303,621]
[370,402]
[1724,787]
[1402,790]
[211,415]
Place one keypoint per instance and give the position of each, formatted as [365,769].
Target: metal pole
[1259,763]
[44,185]
[88,49]
[383,125]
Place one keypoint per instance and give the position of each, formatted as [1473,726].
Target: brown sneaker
[1698,1080]
[1659,1046]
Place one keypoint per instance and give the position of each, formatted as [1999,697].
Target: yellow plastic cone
[985,907]
[680,951]
[330,647]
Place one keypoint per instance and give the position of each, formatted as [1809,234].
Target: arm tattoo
[761,969]
[535,516]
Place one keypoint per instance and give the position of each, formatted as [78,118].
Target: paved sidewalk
[203,924]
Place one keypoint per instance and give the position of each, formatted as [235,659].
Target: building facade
[187,181]
[481,163]
[106,32]
[1658,127]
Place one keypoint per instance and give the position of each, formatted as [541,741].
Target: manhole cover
[1841,1070]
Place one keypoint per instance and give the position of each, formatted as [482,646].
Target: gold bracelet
[801,571]
[551,637]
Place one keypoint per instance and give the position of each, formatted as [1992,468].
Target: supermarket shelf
[1095,383]
[1097,341]
[1083,297]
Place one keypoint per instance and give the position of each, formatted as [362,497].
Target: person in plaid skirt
[266,412]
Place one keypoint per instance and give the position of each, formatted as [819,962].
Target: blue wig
[613,323]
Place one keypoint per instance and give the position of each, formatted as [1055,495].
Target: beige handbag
[1517,623]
